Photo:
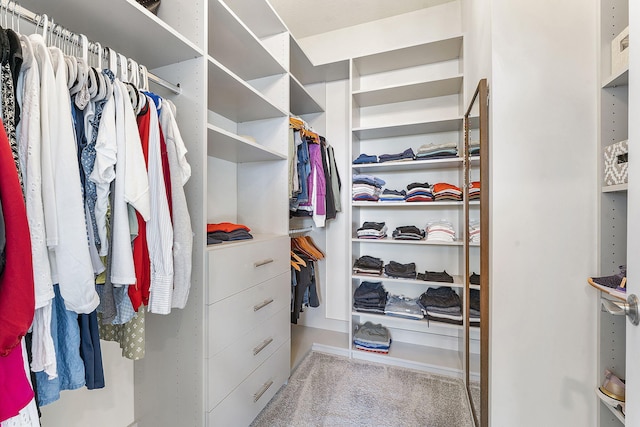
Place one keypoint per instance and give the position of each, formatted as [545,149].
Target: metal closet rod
[18,11]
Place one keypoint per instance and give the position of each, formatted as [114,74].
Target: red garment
[139,292]
[15,389]
[227,227]
[441,186]
[17,300]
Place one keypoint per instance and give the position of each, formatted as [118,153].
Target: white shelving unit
[613,101]
[406,98]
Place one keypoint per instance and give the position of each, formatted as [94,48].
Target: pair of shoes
[612,390]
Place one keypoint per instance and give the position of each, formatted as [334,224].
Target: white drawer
[231,366]
[235,268]
[248,399]
[233,317]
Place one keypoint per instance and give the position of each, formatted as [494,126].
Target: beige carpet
[335,391]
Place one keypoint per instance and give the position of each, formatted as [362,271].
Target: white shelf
[233,148]
[433,204]
[408,92]
[408,165]
[234,99]
[424,325]
[232,44]
[393,131]
[256,238]
[257,15]
[431,359]
[437,51]
[458,281]
[300,100]
[308,73]
[615,411]
[615,188]
[619,79]
[130,34]
[407,242]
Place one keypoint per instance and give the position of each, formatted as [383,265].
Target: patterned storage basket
[616,157]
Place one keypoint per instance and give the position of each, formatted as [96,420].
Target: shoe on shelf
[612,390]
[614,285]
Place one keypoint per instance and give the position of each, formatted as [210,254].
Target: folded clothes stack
[366,188]
[372,337]
[404,156]
[445,191]
[401,306]
[442,305]
[474,149]
[393,195]
[368,265]
[435,276]
[434,151]
[226,232]
[372,230]
[365,158]
[408,232]
[440,231]
[370,297]
[474,190]
[419,192]
[474,231]
[474,307]
[474,279]
[400,271]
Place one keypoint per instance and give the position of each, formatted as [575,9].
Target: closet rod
[36,19]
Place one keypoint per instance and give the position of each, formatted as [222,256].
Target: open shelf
[430,359]
[259,16]
[233,148]
[620,79]
[256,238]
[130,34]
[615,188]
[458,281]
[300,100]
[428,53]
[308,73]
[408,165]
[231,42]
[407,242]
[433,204]
[408,92]
[419,128]
[415,325]
[236,100]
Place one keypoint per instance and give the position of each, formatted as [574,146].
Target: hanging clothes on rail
[304,292]
[314,183]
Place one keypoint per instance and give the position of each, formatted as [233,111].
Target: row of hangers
[85,53]
[304,247]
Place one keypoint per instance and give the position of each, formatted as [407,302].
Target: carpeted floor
[327,390]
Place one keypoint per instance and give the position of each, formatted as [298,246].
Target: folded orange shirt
[227,227]
[444,186]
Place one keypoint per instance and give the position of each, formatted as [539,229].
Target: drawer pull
[262,391]
[262,346]
[262,304]
[263,262]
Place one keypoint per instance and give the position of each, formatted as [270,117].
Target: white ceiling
[309,17]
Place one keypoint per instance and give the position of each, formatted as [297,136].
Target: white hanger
[113,61]
[124,75]
[135,72]
[144,78]
[45,24]
[98,47]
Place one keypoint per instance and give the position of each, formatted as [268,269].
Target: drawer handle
[262,304]
[262,346]
[263,262]
[262,391]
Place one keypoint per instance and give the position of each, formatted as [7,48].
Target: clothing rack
[12,10]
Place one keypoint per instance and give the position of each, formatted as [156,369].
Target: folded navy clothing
[418,185]
[369,261]
[407,154]
[474,299]
[365,158]
[402,271]
[370,225]
[231,236]
[439,297]
[368,179]
[435,276]
[388,192]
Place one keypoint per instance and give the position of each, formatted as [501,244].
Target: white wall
[476,22]
[544,204]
